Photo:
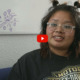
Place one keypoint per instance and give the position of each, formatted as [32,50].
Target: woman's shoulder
[31,55]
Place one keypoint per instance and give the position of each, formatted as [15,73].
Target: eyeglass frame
[73,27]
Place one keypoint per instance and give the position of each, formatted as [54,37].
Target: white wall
[12,47]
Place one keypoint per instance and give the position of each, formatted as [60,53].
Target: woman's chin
[58,46]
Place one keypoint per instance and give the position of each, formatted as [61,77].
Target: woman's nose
[59,29]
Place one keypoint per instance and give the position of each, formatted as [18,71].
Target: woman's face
[60,37]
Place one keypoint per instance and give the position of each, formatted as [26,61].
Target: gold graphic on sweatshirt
[68,73]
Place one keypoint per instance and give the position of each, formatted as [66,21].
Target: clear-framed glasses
[66,27]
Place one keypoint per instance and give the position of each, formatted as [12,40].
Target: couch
[4,72]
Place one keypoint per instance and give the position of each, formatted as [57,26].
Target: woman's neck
[60,52]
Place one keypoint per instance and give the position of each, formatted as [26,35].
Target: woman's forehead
[57,20]
[63,16]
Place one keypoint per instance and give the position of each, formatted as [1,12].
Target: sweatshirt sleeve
[27,67]
[15,73]
[18,72]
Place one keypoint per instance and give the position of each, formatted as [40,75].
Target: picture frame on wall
[23,16]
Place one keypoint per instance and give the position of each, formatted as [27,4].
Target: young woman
[58,59]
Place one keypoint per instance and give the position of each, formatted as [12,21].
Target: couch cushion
[4,73]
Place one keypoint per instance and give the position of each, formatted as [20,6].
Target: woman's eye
[53,24]
[67,27]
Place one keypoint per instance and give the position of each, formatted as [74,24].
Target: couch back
[4,72]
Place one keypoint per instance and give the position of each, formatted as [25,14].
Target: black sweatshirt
[32,66]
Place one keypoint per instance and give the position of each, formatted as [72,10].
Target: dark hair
[75,15]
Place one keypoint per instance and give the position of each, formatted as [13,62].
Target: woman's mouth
[58,38]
